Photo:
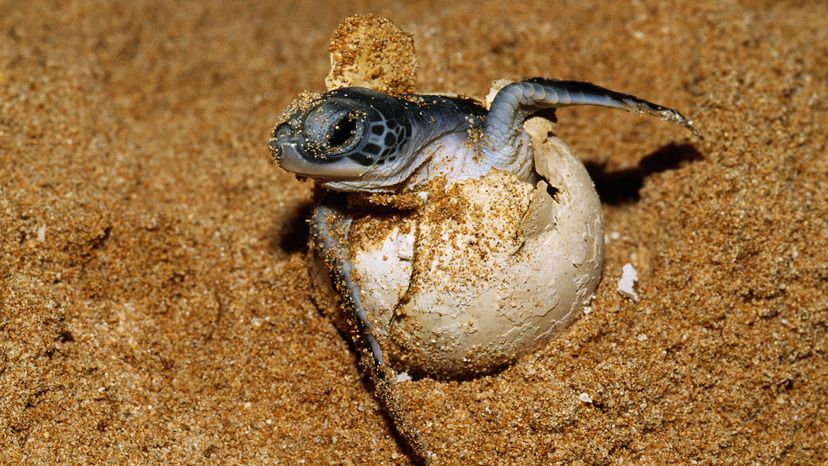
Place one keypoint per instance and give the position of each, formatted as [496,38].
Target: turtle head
[345,135]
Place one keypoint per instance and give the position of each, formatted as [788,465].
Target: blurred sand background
[153,296]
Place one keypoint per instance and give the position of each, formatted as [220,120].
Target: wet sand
[154,302]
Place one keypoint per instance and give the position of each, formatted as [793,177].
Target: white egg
[485,271]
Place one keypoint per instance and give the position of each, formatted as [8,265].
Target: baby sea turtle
[357,140]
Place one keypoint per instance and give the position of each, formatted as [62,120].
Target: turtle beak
[275,149]
[288,157]
[283,135]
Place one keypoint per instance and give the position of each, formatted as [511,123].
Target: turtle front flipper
[516,101]
[329,233]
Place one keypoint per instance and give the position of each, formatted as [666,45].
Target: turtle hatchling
[454,237]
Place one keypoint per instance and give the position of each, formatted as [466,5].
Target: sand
[153,292]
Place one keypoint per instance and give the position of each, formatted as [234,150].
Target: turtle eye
[341,133]
[331,129]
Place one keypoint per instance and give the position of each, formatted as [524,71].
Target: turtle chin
[343,168]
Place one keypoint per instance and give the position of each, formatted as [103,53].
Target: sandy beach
[154,294]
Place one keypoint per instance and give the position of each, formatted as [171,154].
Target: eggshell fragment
[487,270]
[371,51]
[626,284]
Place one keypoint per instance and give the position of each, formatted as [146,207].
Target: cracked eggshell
[485,271]
[371,51]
